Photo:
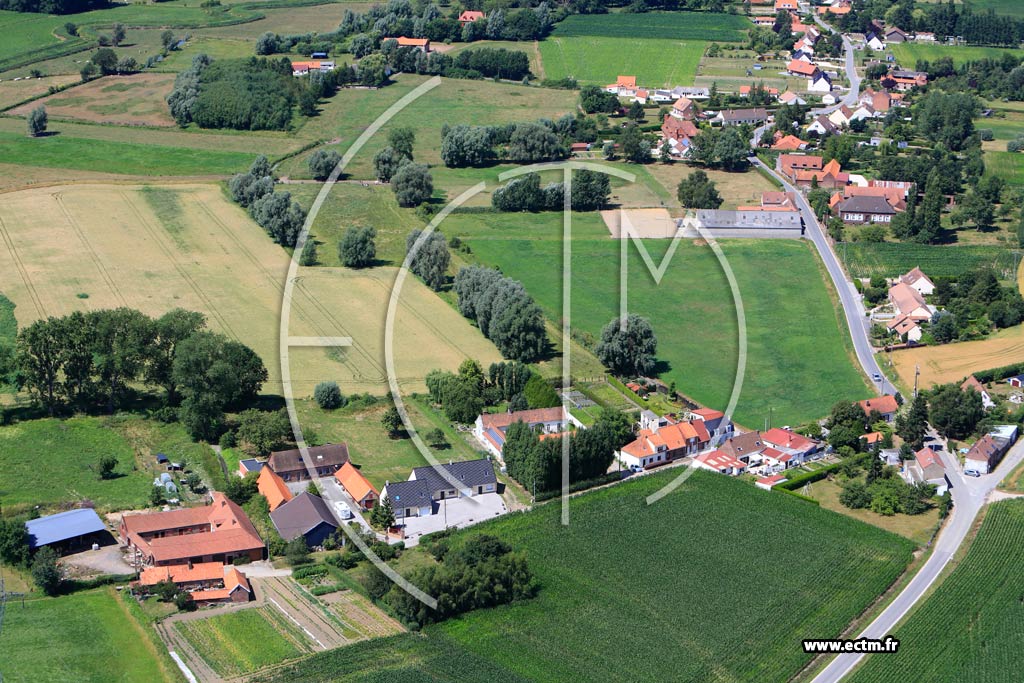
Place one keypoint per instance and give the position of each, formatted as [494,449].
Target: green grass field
[27,35]
[379,457]
[406,658]
[50,461]
[239,642]
[691,310]
[63,151]
[907,54]
[1008,165]
[864,259]
[656,62]
[614,576]
[623,570]
[87,637]
[671,25]
[970,628]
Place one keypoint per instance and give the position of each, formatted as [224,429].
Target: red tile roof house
[909,303]
[720,462]
[623,85]
[661,445]
[490,428]
[208,582]
[926,467]
[357,486]
[714,421]
[469,16]
[797,67]
[684,108]
[886,406]
[919,281]
[219,532]
[421,44]
[973,383]
[787,441]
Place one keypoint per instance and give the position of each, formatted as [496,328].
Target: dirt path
[540,61]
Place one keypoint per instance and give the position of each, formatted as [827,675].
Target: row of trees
[275,211]
[537,463]
[84,361]
[465,394]
[941,18]
[522,142]
[504,311]
[477,63]
[591,191]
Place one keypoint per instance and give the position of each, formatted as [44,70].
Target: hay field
[135,100]
[156,248]
[953,362]
[12,91]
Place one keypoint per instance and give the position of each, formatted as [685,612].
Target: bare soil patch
[135,100]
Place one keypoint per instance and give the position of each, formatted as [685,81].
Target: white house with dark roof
[415,497]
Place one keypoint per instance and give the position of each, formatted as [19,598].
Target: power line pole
[917,372]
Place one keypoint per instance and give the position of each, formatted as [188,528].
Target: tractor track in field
[93,255]
[22,271]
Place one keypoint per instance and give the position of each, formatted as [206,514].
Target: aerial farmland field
[228,642]
[186,246]
[93,628]
[908,53]
[598,60]
[816,368]
[970,627]
[669,25]
[136,100]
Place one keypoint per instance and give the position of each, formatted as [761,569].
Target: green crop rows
[671,25]
[971,628]
[864,259]
[718,581]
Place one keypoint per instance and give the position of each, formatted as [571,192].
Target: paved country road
[849,297]
[969,496]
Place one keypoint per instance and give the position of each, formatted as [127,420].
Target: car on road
[876,377]
[972,473]
[636,468]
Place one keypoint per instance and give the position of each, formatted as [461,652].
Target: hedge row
[1003,372]
[580,486]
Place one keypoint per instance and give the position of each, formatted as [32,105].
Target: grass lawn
[64,151]
[241,641]
[918,528]
[737,189]
[1009,165]
[590,596]
[692,310]
[1014,481]
[91,636]
[656,62]
[343,117]
[864,259]
[971,626]
[50,461]
[27,34]
[907,54]
[379,457]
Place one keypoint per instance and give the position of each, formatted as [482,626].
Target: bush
[322,162]
[328,396]
[45,570]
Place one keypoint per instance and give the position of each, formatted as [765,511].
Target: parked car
[972,473]
[636,468]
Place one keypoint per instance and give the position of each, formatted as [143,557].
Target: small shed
[67,530]
[1016,381]
[162,459]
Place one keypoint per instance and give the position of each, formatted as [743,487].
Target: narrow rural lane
[849,297]
[969,497]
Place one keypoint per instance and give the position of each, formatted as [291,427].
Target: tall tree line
[504,311]
[95,360]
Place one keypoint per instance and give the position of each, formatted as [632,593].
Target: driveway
[454,513]
[107,560]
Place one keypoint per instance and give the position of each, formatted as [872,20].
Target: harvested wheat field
[135,100]
[155,248]
[12,92]
[953,362]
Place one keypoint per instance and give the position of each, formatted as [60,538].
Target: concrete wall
[751,233]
